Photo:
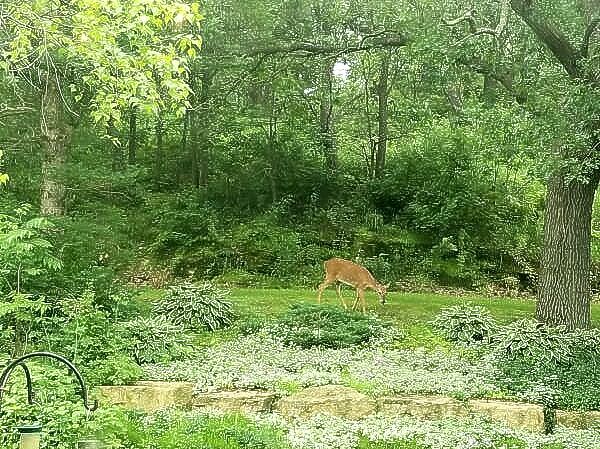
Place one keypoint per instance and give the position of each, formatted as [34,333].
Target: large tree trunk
[382,116]
[564,287]
[55,138]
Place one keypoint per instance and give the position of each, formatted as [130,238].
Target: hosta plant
[196,306]
[465,324]
[155,340]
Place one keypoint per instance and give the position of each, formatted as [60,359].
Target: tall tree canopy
[262,137]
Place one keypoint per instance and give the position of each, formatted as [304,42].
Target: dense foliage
[467,324]
[144,142]
[551,366]
[196,307]
[307,326]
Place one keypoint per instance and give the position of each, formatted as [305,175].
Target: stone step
[340,401]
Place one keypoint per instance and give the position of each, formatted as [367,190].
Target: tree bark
[115,146]
[159,154]
[132,144]
[55,138]
[199,128]
[183,150]
[326,118]
[382,116]
[564,288]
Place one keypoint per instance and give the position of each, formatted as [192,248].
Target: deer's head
[382,292]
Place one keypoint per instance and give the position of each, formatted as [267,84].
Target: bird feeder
[30,434]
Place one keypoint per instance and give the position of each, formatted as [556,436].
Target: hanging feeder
[30,434]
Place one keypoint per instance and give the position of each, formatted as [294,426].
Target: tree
[104,57]
[564,283]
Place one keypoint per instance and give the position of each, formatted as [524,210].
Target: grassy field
[405,308]
[410,311]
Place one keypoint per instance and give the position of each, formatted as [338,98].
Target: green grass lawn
[410,311]
[405,308]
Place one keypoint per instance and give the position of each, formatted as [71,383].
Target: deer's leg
[338,290]
[361,294]
[322,287]
[355,300]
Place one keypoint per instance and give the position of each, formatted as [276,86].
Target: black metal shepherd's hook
[21,362]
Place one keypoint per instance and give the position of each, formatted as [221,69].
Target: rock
[427,407]
[578,420]
[236,401]
[334,400]
[148,396]
[513,414]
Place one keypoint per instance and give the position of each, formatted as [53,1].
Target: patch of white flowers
[328,432]
[261,362]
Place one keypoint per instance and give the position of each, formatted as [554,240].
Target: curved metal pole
[20,362]
[27,380]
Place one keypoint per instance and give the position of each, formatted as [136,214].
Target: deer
[343,271]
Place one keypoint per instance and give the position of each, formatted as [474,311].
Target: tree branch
[7,112]
[468,16]
[550,35]
[585,46]
[503,18]
[483,68]
[312,49]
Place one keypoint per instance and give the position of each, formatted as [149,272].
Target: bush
[60,410]
[327,326]
[549,365]
[90,338]
[465,324]
[251,324]
[533,340]
[155,340]
[196,306]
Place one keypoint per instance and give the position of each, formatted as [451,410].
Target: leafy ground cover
[410,311]
[459,346]
[171,429]
[283,341]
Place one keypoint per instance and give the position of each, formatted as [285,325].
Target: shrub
[549,365]
[328,326]
[534,340]
[89,337]
[116,369]
[155,340]
[251,324]
[196,307]
[60,409]
[466,324]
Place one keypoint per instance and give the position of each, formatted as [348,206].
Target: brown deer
[354,275]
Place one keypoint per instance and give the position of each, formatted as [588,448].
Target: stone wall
[340,401]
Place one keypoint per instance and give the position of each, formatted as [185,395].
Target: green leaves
[196,307]
[465,324]
[123,51]
[25,252]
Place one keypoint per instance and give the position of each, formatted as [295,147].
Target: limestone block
[513,414]
[426,407]
[236,401]
[334,400]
